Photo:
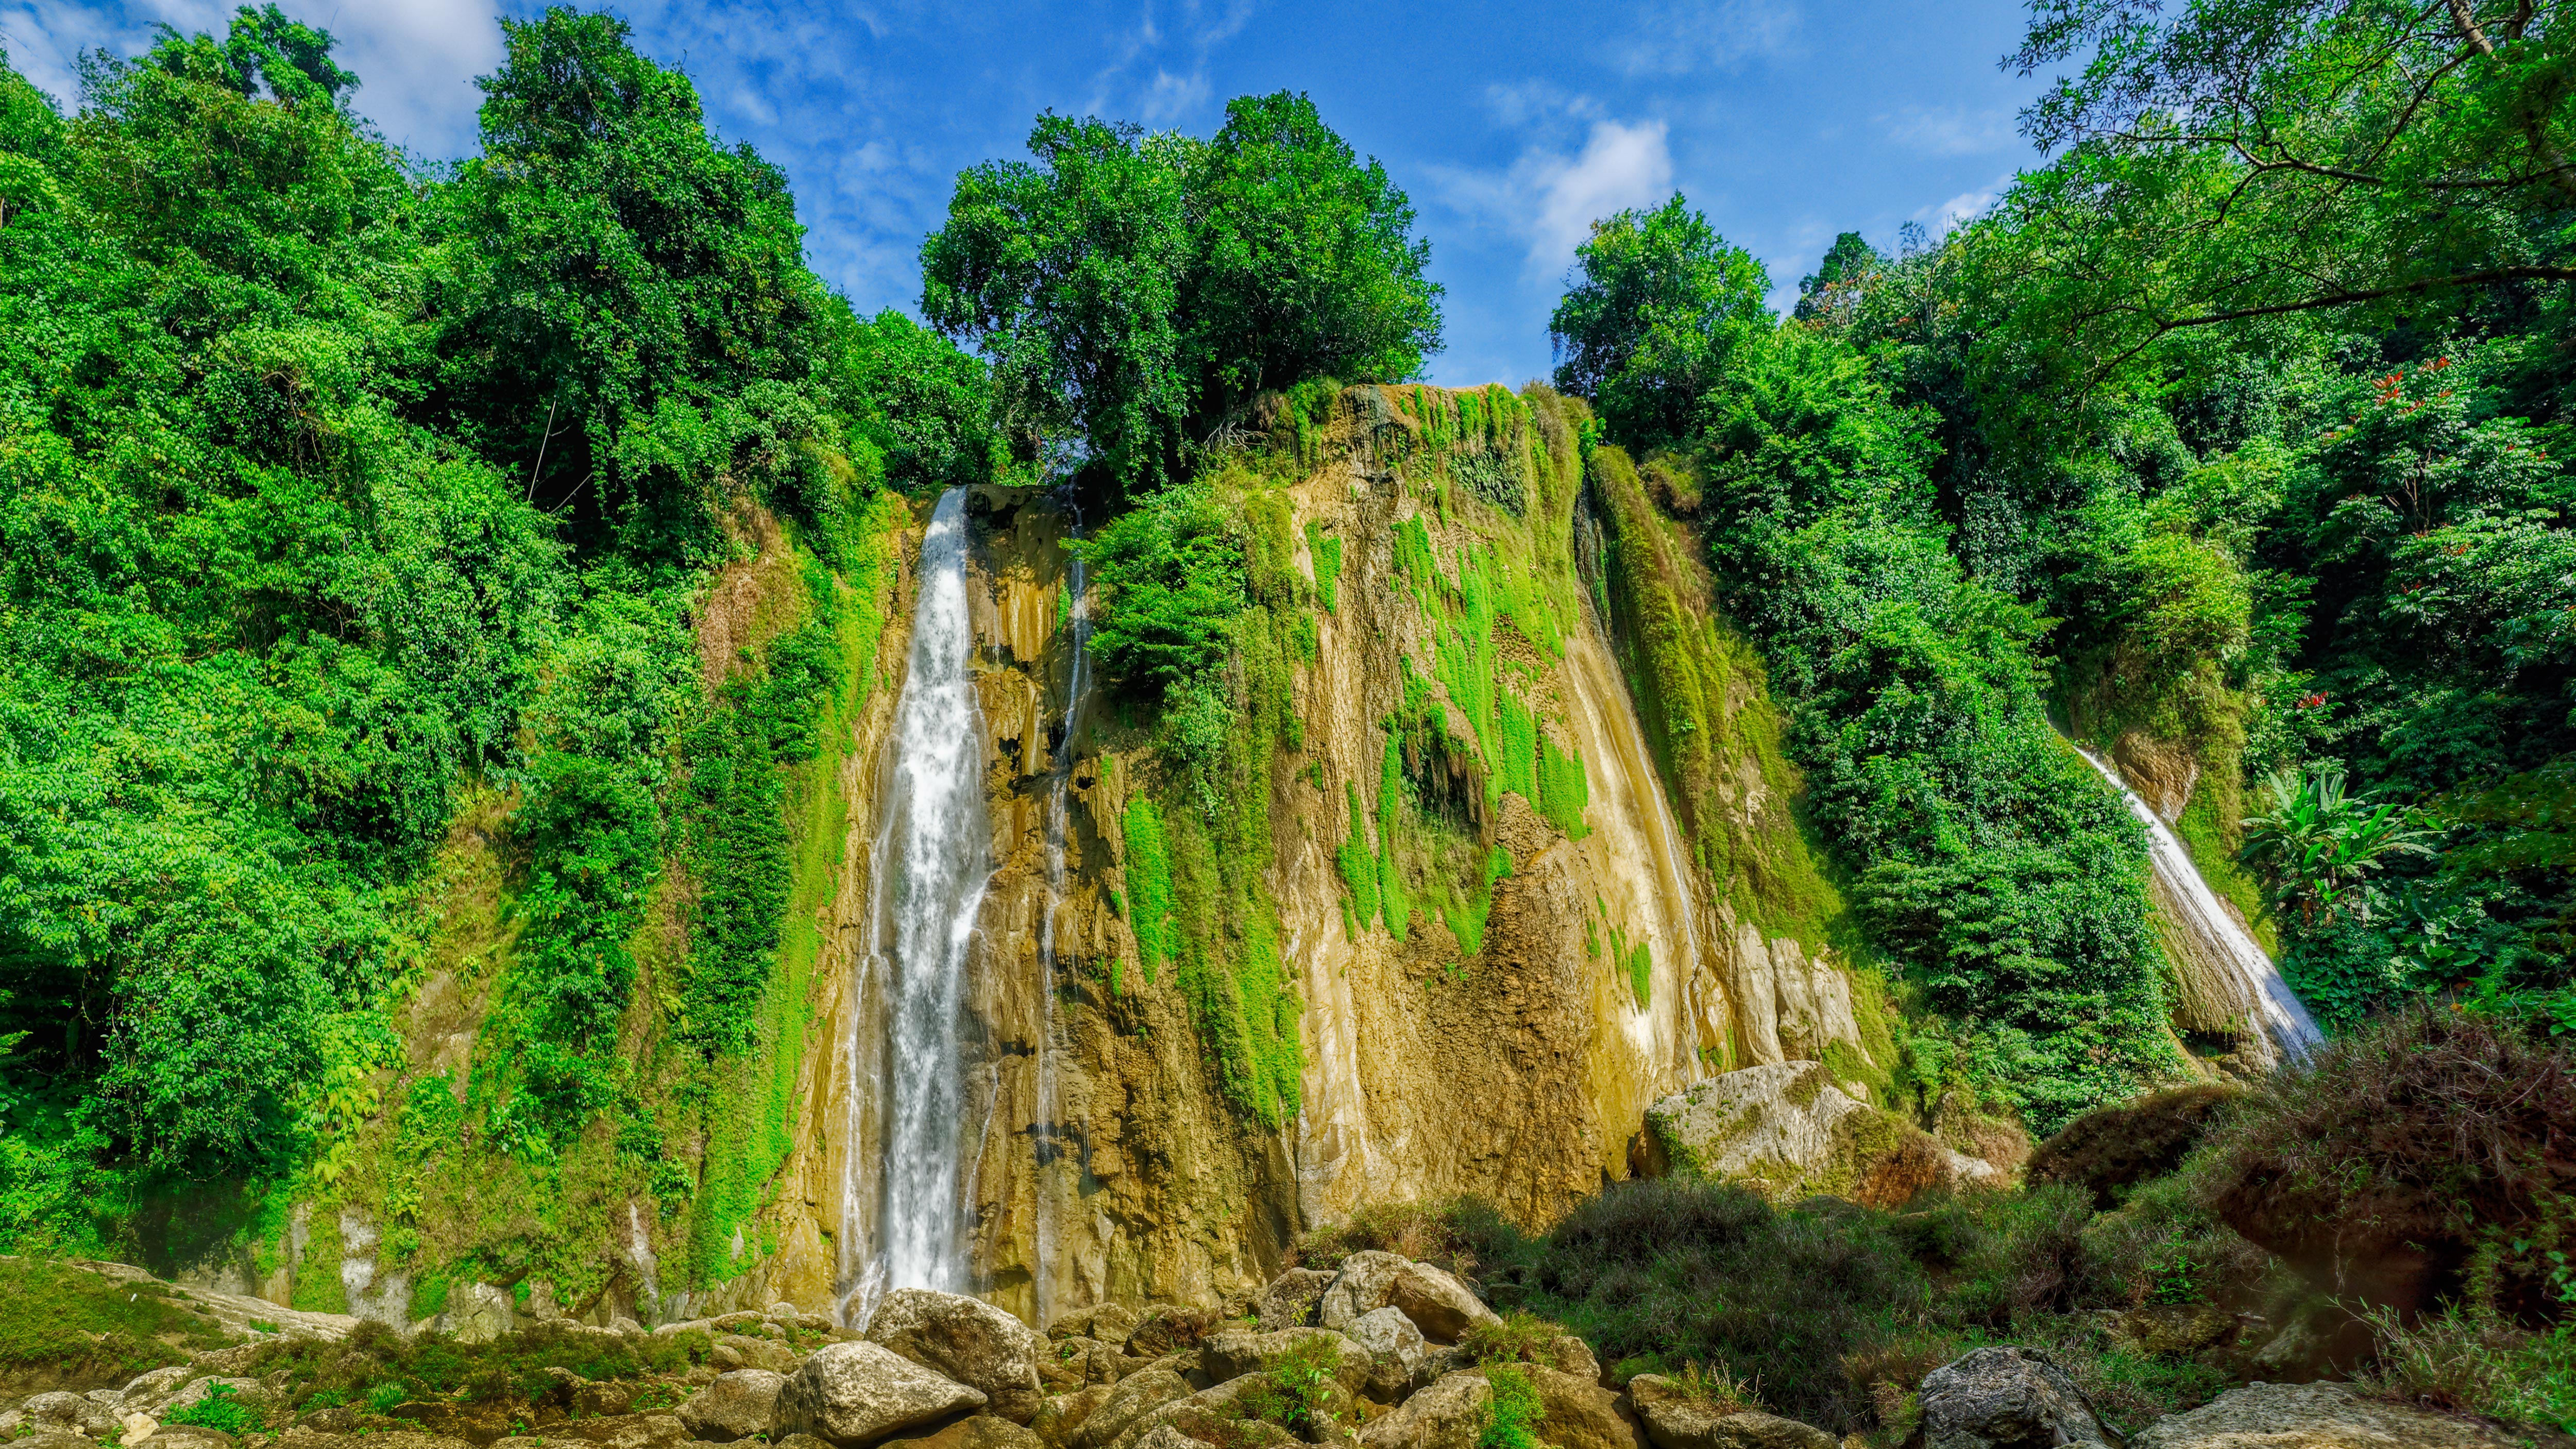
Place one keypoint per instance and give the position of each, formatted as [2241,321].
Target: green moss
[1357,862]
[1563,789]
[1392,897]
[67,1320]
[1149,883]
[1326,550]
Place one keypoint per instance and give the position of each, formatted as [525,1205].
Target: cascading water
[1078,626]
[2210,933]
[933,854]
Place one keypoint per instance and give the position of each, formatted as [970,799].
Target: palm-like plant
[2317,844]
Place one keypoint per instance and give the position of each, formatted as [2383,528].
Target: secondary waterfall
[934,858]
[2204,929]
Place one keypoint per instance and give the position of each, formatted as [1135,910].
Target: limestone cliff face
[1614,966]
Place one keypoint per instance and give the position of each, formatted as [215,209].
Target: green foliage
[1135,290]
[1357,862]
[2478,1363]
[68,1320]
[1515,1413]
[1327,552]
[219,1409]
[1171,580]
[1658,302]
[363,494]
[1301,1390]
[1149,884]
[2318,845]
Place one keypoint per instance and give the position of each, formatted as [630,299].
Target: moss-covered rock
[1788,1130]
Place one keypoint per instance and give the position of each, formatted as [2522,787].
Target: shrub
[2109,1150]
[2417,1161]
[217,1410]
[2472,1361]
[1519,1337]
[1445,1234]
[1671,1270]
[1298,1392]
[1516,1411]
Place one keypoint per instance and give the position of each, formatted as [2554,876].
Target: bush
[2473,1362]
[1668,1270]
[1445,1234]
[2419,1161]
[219,1409]
[2110,1150]
[1516,1411]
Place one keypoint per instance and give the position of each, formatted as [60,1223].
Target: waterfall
[1078,626]
[933,861]
[2210,934]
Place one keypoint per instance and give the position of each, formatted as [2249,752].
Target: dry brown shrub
[2112,1149]
[2429,1157]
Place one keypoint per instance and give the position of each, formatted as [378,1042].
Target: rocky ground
[1384,1352]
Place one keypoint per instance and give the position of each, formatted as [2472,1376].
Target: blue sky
[1511,125]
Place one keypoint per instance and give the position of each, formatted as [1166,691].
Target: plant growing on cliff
[2318,846]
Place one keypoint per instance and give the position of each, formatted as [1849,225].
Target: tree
[1656,302]
[1304,261]
[1133,290]
[628,285]
[2254,158]
[1832,295]
[1066,273]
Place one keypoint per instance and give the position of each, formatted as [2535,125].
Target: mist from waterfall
[2212,935]
[933,851]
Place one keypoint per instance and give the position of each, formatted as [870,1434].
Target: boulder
[623,1431]
[1571,1355]
[1236,1352]
[147,1392]
[1164,1436]
[1450,1414]
[51,1439]
[138,1427]
[983,1431]
[1070,1363]
[1135,1396]
[2005,1398]
[741,1351]
[855,1395]
[1674,1420]
[1364,1284]
[1292,1299]
[1109,1323]
[2312,1416]
[737,1405]
[1059,1418]
[1581,1414]
[1398,1348]
[968,1340]
[1441,1306]
[1228,1413]
[188,1436]
[73,1413]
[1787,1130]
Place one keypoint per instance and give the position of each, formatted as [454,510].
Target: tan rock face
[1789,1130]
[1105,1161]
[855,1395]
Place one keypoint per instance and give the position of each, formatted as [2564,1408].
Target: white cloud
[415,59]
[1552,198]
[1965,207]
[1950,130]
[1678,37]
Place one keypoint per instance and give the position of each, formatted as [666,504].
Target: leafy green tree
[1656,302]
[1831,296]
[633,311]
[2226,161]
[1133,290]
[1066,273]
[1304,261]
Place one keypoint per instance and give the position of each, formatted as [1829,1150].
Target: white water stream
[2211,933]
[933,855]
